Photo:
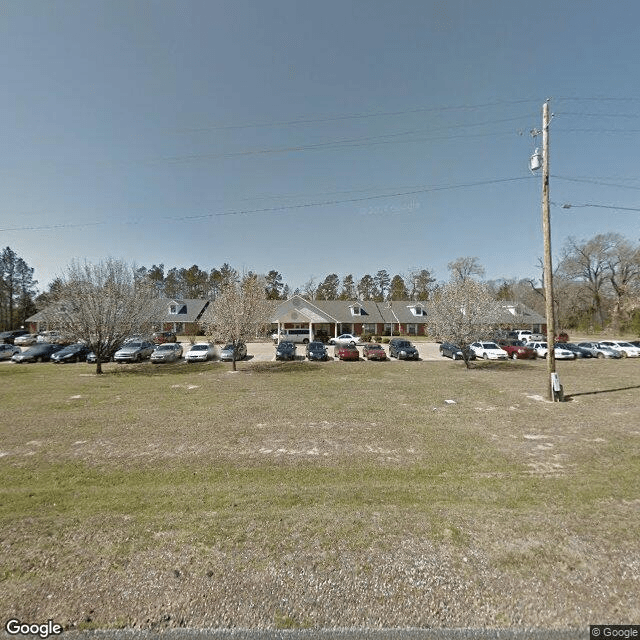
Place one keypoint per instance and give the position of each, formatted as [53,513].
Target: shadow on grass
[593,393]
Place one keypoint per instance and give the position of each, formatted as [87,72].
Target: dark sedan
[286,351]
[316,351]
[38,353]
[73,353]
[453,351]
[579,351]
[403,350]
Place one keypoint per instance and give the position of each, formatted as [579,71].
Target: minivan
[293,335]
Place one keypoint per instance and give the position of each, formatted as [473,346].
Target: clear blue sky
[262,133]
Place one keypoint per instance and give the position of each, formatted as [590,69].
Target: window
[412,329]
[369,327]
[418,310]
[356,310]
[173,308]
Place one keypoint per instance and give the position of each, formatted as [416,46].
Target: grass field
[284,495]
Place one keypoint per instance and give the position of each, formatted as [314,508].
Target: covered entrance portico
[298,313]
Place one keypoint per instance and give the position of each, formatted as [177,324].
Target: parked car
[54,337]
[374,351]
[160,337]
[108,357]
[200,352]
[579,351]
[345,338]
[135,351]
[624,348]
[227,352]
[518,350]
[37,353]
[8,337]
[563,336]
[402,349]
[286,351]
[488,351]
[26,340]
[453,351]
[167,352]
[7,351]
[77,352]
[598,350]
[346,352]
[559,352]
[293,335]
[316,351]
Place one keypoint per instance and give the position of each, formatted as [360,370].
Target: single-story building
[330,318]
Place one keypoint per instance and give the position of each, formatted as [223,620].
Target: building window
[173,308]
[412,329]
[369,327]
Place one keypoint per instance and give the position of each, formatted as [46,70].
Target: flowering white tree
[102,305]
[463,311]
[239,312]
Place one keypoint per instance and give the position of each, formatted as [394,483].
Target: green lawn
[235,499]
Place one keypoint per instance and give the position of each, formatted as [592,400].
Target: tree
[421,284]
[273,285]
[461,312]
[328,288]
[309,289]
[398,289]
[366,287]
[239,312]
[17,289]
[587,263]
[382,280]
[465,268]
[102,305]
[348,291]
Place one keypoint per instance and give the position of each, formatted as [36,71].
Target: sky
[342,136]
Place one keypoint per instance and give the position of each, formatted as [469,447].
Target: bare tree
[463,311]
[103,304]
[239,313]
[465,268]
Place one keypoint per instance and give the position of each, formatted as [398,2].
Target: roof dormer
[417,310]
[357,309]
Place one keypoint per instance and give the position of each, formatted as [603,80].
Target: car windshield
[228,347]
[375,346]
[199,347]
[133,345]
[316,346]
[285,345]
[625,344]
[490,345]
[165,347]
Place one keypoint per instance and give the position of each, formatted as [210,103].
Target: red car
[374,352]
[518,350]
[346,352]
[162,337]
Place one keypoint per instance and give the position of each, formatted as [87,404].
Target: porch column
[310,331]
[278,332]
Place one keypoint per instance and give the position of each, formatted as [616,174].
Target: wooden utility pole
[553,388]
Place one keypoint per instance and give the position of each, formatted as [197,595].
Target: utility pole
[554,391]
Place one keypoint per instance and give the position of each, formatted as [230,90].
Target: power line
[597,206]
[286,207]
[597,182]
[362,115]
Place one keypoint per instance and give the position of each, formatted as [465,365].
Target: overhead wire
[282,208]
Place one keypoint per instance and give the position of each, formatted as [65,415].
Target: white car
[488,351]
[541,348]
[345,338]
[200,352]
[625,349]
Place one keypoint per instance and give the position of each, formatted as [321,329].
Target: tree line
[596,285]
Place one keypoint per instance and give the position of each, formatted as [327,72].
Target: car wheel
[514,356]
[352,344]
[305,341]
[601,356]
[624,354]
[485,356]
